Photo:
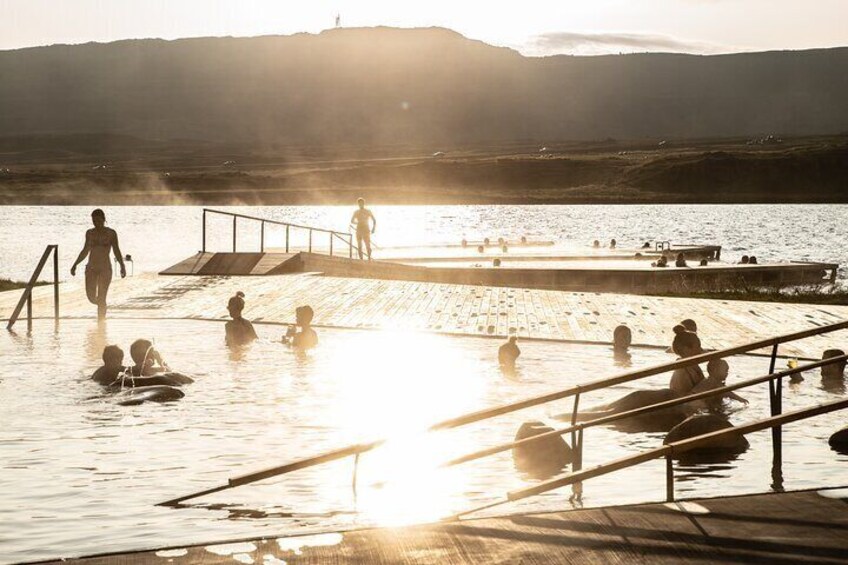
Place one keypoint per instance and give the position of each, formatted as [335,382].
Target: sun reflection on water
[393,386]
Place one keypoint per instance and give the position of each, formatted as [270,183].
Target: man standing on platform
[361,219]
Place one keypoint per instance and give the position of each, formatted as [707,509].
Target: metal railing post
[203,250]
[331,244]
[262,237]
[776,407]
[235,230]
[669,478]
[56,282]
[576,448]
[287,238]
[29,312]
[350,246]
[310,240]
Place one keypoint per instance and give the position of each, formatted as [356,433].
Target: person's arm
[353,221]
[373,220]
[83,254]
[117,250]
[736,397]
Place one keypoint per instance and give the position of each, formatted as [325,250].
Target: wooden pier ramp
[449,308]
[778,529]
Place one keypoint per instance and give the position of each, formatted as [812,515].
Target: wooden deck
[778,529]
[456,309]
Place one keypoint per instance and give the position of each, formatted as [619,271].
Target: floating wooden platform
[633,277]
[448,308]
[778,529]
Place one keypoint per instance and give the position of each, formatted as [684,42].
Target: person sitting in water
[703,263]
[480,249]
[113,366]
[596,244]
[744,260]
[717,371]
[752,260]
[613,243]
[306,338]
[523,239]
[147,362]
[113,373]
[239,331]
[508,353]
[690,325]
[681,260]
[661,262]
[833,374]
[646,245]
[621,339]
[685,344]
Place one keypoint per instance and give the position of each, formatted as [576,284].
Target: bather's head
[690,325]
[303,316]
[98,218]
[717,369]
[236,305]
[142,353]
[686,343]
[836,369]
[744,260]
[622,337]
[360,202]
[113,357]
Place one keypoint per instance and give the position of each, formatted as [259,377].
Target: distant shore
[119,170]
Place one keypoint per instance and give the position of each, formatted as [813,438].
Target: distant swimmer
[508,353]
[613,243]
[306,338]
[744,260]
[752,260]
[621,339]
[365,224]
[681,260]
[833,374]
[596,244]
[239,331]
[99,241]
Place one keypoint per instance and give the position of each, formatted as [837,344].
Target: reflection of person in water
[239,331]
[366,224]
[306,338]
[99,241]
[508,354]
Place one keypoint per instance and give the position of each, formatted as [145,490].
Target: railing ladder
[26,297]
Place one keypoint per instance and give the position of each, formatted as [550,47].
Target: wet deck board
[779,529]
[461,309]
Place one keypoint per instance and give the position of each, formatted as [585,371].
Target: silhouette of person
[361,219]
[508,354]
[833,375]
[685,344]
[99,241]
[306,338]
[239,331]
[622,337]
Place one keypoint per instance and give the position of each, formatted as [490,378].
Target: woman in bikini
[99,241]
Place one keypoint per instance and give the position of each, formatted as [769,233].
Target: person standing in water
[239,331]
[99,241]
[361,219]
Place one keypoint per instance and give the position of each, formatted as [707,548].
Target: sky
[534,27]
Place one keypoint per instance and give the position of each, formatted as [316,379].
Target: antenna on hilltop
[338,20]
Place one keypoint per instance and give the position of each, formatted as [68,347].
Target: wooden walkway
[457,309]
[778,529]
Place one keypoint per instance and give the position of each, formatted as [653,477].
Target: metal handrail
[346,238]
[26,297]
[641,411]
[574,391]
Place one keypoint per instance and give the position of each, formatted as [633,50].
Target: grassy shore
[6,284]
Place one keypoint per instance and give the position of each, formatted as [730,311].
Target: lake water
[159,236]
[80,474]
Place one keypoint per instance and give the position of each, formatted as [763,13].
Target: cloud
[573,43]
